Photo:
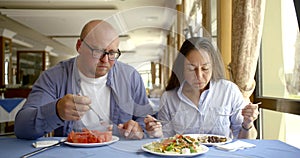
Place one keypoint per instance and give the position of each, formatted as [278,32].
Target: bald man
[90,91]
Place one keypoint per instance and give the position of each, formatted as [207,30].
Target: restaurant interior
[259,44]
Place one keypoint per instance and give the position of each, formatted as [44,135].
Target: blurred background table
[8,110]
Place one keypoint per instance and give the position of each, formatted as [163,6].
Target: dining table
[12,147]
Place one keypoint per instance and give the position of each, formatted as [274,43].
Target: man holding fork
[91,87]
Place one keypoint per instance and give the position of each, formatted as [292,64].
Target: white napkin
[235,146]
[44,143]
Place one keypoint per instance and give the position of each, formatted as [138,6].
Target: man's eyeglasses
[100,53]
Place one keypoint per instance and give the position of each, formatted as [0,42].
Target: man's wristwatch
[246,129]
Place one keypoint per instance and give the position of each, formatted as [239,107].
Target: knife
[43,149]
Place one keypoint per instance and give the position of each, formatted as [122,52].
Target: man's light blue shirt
[38,116]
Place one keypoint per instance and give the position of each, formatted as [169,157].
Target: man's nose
[104,58]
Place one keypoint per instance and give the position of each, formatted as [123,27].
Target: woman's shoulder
[169,94]
[223,83]
[170,97]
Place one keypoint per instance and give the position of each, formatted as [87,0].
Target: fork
[234,111]
[100,119]
[230,113]
[157,120]
[161,121]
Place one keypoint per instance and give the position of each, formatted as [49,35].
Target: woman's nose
[198,73]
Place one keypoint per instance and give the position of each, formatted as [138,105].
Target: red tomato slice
[89,136]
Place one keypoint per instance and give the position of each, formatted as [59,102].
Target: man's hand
[72,107]
[131,130]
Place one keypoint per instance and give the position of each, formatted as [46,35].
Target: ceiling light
[151,18]
[7,33]
[126,45]
[22,43]
[51,53]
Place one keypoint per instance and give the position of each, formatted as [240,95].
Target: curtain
[247,24]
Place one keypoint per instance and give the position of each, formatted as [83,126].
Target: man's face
[90,65]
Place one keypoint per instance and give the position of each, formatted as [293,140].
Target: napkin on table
[235,146]
[44,143]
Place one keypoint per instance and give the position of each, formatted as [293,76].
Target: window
[145,72]
[279,73]
[280,66]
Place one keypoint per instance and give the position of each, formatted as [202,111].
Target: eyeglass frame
[103,52]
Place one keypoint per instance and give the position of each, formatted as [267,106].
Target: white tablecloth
[13,147]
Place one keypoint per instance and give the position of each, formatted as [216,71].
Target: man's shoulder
[120,64]
[60,70]
[123,68]
[63,64]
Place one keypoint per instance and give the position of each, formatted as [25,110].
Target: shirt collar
[184,98]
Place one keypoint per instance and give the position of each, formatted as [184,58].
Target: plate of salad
[178,145]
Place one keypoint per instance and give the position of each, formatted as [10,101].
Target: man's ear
[78,44]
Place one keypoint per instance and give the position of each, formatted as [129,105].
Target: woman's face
[197,69]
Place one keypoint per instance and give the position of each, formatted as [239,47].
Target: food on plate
[89,136]
[212,139]
[179,144]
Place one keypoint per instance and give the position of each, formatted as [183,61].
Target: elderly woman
[199,100]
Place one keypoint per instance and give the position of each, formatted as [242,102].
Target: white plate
[210,144]
[87,145]
[204,150]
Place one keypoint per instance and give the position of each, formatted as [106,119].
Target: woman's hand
[153,127]
[250,113]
